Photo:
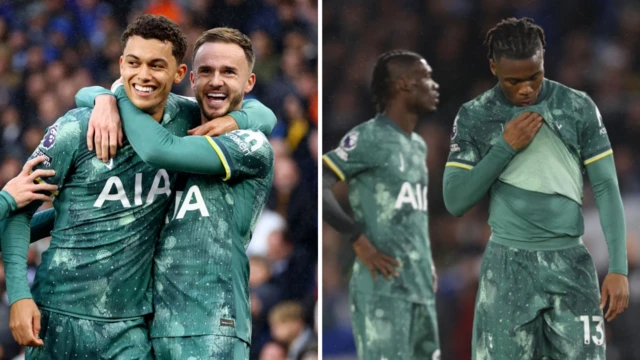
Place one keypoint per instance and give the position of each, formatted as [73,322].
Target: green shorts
[67,337]
[386,327]
[200,348]
[538,304]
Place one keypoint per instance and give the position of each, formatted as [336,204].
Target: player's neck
[406,120]
[157,116]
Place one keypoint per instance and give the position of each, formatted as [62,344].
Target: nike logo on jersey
[401,168]
[109,165]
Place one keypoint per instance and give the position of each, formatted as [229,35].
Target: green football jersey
[539,194]
[386,173]
[109,217]
[201,270]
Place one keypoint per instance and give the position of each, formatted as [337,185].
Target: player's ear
[492,66]
[403,83]
[192,79]
[121,64]
[251,81]
[182,71]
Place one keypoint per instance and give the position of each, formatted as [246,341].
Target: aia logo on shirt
[50,137]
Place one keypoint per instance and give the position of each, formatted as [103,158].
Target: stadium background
[50,49]
[592,45]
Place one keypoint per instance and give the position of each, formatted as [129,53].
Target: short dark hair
[229,36]
[514,39]
[381,79]
[158,27]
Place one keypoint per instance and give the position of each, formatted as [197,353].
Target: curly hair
[514,39]
[160,28]
[381,79]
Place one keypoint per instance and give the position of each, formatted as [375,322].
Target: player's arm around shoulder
[252,116]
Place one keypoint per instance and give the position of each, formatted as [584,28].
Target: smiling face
[520,80]
[221,77]
[149,70]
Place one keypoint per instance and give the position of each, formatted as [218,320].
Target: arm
[41,225]
[464,185]
[159,148]
[595,149]
[15,246]
[7,204]
[615,287]
[255,116]
[24,319]
[332,212]
[602,174]
[86,97]
[340,167]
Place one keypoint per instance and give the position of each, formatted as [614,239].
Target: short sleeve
[60,146]
[355,154]
[244,153]
[593,139]
[463,152]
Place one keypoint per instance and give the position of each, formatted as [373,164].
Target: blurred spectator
[273,351]
[591,45]
[49,49]
[288,327]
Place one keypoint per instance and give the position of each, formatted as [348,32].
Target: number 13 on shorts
[587,322]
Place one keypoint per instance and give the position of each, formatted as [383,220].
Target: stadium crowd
[592,45]
[50,49]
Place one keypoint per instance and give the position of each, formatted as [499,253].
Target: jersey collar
[171,109]
[386,120]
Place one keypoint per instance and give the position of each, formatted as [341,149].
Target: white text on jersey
[417,199]
[121,194]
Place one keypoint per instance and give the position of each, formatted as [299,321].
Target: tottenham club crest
[50,137]
[349,141]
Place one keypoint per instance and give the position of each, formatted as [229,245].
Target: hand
[520,131]
[615,288]
[215,127]
[375,260]
[105,128]
[25,323]
[22,187]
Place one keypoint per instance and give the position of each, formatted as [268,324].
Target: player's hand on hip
[105,128]
[215,127]
[374,259]
[519,132]
[615,289]
[25,323]
[22,187]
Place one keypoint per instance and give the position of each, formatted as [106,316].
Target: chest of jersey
[399,183]
[561,121]
[124,182]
